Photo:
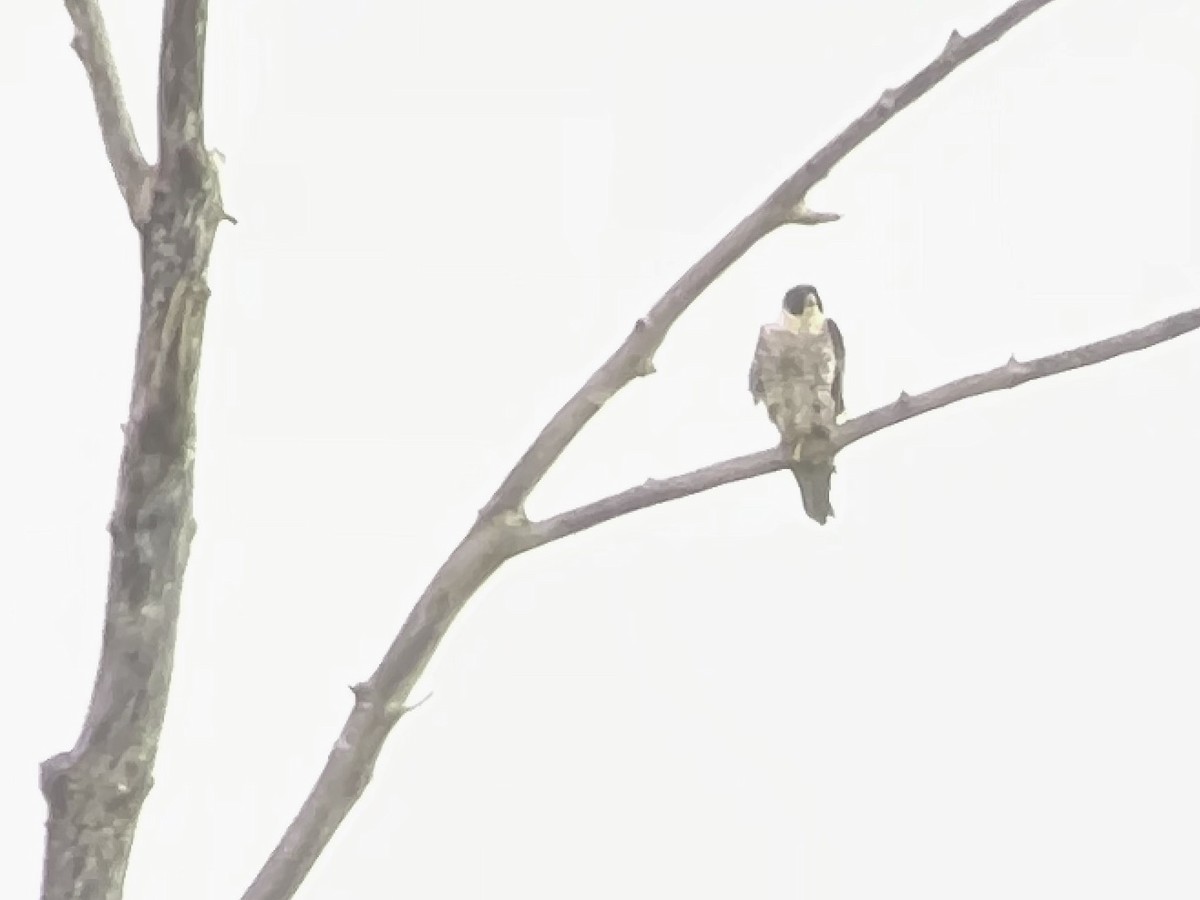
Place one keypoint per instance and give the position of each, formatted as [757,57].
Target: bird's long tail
[814,479]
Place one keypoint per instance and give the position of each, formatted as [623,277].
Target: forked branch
[95,791]
[787,203]
[501,531]
[116,129]
[1010,375]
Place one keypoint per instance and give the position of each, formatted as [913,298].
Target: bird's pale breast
[796,372]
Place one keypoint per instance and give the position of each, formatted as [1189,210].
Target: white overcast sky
[980,680]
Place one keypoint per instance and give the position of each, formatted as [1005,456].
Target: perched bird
[797,373]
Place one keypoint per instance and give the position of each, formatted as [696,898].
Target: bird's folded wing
[839,359]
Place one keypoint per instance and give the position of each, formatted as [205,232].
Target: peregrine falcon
[797,373]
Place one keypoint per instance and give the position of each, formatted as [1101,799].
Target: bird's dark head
[801,298]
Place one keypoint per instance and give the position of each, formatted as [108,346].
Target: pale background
[979,681]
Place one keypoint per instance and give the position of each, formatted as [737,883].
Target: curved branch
[790,195]
[786,204]
[116,129]
[502,531]
[740,468]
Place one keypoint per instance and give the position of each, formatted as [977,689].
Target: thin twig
[116,129]
[740,468]
[501,528]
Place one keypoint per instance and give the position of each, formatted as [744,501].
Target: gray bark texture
[95,790]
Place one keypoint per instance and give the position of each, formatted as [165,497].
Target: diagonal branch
[502,532]
[95,791]
[786,204]
[120,143]
[1010,375]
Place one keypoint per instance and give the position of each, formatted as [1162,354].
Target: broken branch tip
[953,42]
[800,214]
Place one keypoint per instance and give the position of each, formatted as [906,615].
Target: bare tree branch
[181,150]
[502,530]
[740,468]
[787,203]
[95,791]
[120,143]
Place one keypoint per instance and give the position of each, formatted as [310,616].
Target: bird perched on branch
[797,373]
